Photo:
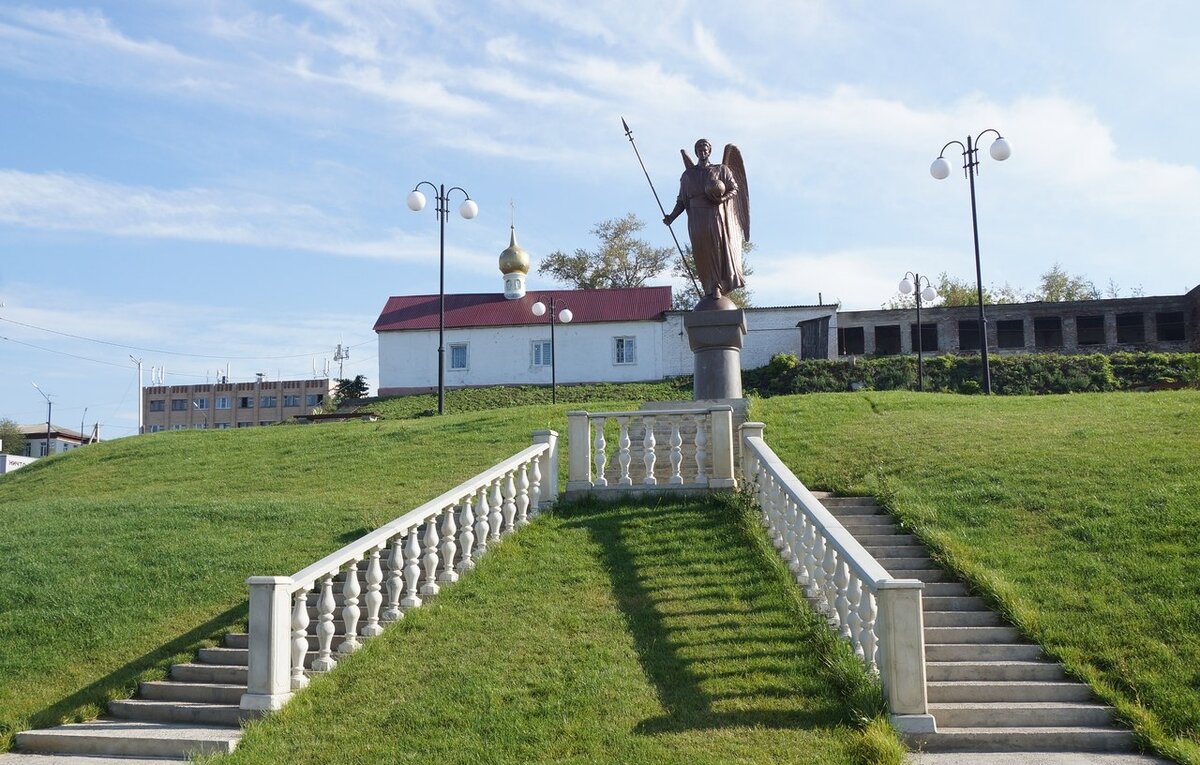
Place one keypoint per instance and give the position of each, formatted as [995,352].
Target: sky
[223,183]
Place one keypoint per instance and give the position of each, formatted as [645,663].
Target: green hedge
[1023,374]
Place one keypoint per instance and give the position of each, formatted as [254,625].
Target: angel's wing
[741,203]
[688,162]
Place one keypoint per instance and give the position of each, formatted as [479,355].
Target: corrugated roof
[409,312]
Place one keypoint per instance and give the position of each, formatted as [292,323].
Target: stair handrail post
[269,662]
[747,431]
[579,452]
[549,466]
[720,420]
[901,630]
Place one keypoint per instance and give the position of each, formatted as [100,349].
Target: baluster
[803,548]
[449,547]
[648,455]
[841,600]
[374,596]
[495,519]
[600,458]
[778,517]
[701,454]
[535,487]
[764,496]
[412,569]
[789,530]
[522,496]
[429,559]
[509,508]
[676,454]
[811,556]
[816,590]
[325,629]
[623,457]
[350,610]
[482,525]
[466,537]
[300,636]
[395,581]
[853,617]
[870,641]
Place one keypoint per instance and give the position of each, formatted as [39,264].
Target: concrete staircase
[988,690]
[194,711]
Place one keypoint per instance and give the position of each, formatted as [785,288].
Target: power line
[62,353]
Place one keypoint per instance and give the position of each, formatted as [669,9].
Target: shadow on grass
[712,628]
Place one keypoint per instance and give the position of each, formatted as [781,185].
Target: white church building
[614,335]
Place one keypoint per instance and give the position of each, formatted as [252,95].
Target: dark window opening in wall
[929,338]
[1010,333]
[887,340]
[245,402]
[1047,332]
[179,405]
[968,335]
[1131,328]
[1169,327]
[1089,330]
[852,341]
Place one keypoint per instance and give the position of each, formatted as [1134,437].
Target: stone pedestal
[716,340]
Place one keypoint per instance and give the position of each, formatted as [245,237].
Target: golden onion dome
[514,259]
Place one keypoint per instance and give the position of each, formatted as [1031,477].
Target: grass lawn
[1077,514]
[600,634]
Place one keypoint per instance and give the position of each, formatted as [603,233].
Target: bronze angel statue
[718,207]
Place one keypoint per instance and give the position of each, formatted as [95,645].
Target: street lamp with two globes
[910,284]
[540,309]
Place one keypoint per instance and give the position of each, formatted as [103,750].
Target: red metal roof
[408,312]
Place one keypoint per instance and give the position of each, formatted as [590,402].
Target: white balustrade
[880,616]
[425,549]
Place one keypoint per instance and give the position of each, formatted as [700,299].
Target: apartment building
[231,405]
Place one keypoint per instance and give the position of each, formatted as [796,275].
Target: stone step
[840,511]
[1035,714]
[935,635]
[237,657]
[109,736]
[952,603]
[896,551]
[830,499]
[962,619]
[204,693]
[981,652]
[242,640]
[1032,739]
[187,712]
[883,540]
[896,566]
[927,575]
[208,673]
[875,524]
[29,758]
[994,671]
[1007,691]
[944,590]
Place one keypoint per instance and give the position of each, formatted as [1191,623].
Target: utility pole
[340,355]
[141,425]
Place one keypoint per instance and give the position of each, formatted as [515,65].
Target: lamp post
[909,284]
[940,169]
[49,409]
[468,209]
[539,309]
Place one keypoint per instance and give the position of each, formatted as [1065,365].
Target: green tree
[351,390]
[1057,286]
[958,292]
[685,267]
[620,260]
[13,441]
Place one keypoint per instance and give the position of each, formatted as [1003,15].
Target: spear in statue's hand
[682,258]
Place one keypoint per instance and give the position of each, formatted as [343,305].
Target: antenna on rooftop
[340,356]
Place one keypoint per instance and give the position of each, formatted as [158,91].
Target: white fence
[879,615]
[412,557]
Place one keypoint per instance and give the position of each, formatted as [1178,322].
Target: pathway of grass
[1078,514]
[601,634]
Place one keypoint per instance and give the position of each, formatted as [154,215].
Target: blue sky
[224,181]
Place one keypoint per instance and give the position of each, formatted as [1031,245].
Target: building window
[314,399]
[458,355]
[1047,332]
[291,400]
[929,337]
[44,450]
[179,405]
[245,424]
[968,335]
[1010,333]
[269,401]
[158,405]
[246,402]
[222,426]
[1089,330]
[887,340]
[1131,328]
[200,426]
[852,341]
[624,350]
[1169,327]
[541,353]
[177,426]
[155,428]
[264,422]
[224,402]
[200,404]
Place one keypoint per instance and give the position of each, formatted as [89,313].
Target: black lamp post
[49,409]
[940,169]
[565,316]
[909,284]
[468,209]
